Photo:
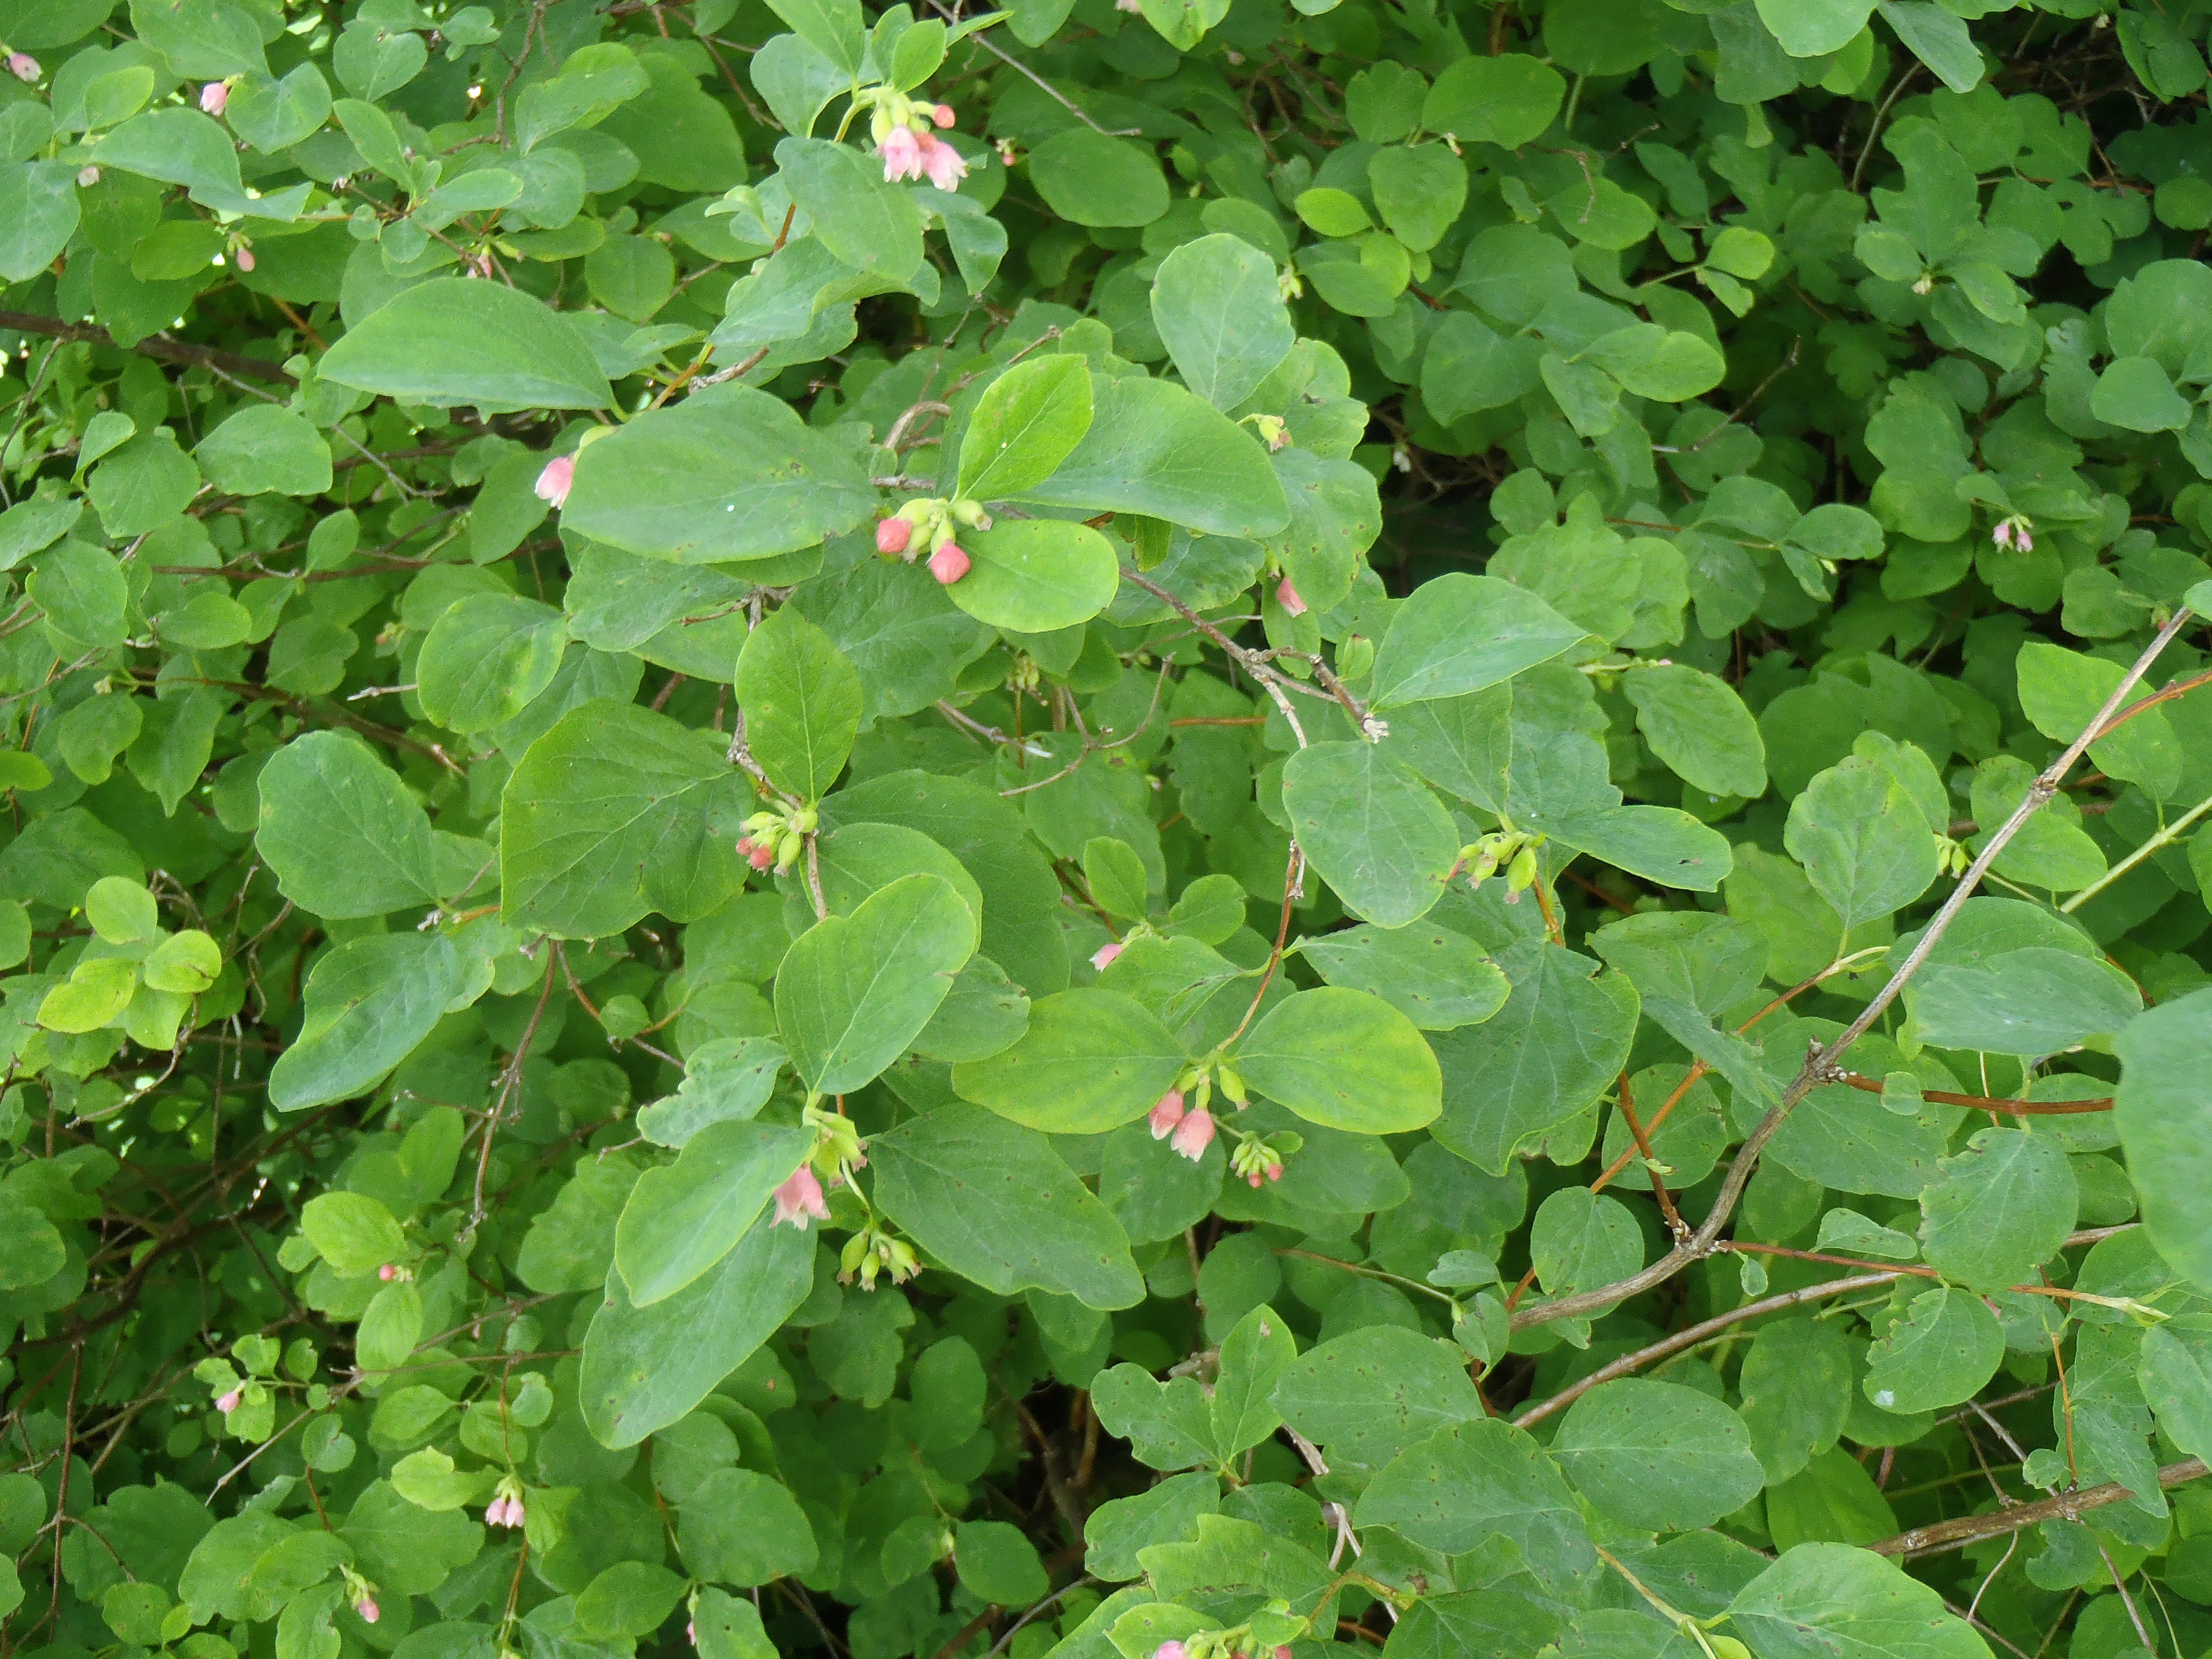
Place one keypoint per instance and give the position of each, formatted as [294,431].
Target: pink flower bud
[245,257]
[759,854]
[949,564]
[1251,1181]
[1193,1134]
[387,1273]
[22,66]
[87,177]
[2025,542]
[901,155]
[229,1403]
[943,115]
[2002,534]
[1166,1115]
[799,1198]
[214,96]
[1282,1650]
[1274,1172]
[691,1631]
[514,1511]
[1171,1650]
[1287,597]
[369,1612]
[892,535]
[1105,953]
[553,481]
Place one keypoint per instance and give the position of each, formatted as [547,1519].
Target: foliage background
[1551,566]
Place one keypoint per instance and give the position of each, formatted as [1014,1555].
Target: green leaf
[1253,1357]
[1476,1480]
[801,700]
[996,1205]
[341,832]
[1814,28]
[1828,1600]
[731,473]
[1657,1456]
[1699,727]
[1458,633]
[832,28]
[452,342]
[1940,1351]
[38,214]
[1863,841]
[1089,179]
[353,1232]
[1036,575]
[1437,979]
[685,1216]
[1090,1060]
[369,1003]
[1023,427]
[1156,450]
[1372,830]
[644,1368]
[1507,100]
[607,817]
[1216,305]
[2163,1057]
[855,991]
[1938,37]
[31,1248]
[487,659]
[1345,1060]
[1371,1393]
[265,449]
[871,226]
[2177,1381]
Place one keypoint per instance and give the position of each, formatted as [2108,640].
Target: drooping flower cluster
[837,1152]
[2015,533]
[910,149]
[1514,849]
[506,1508]
[777,837]
[929,524]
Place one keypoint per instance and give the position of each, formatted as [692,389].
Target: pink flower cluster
[1189,1133]
[910,154]
[758,854]
[895,535]
[503,1512]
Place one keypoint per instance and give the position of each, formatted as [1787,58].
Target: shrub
[1161,829]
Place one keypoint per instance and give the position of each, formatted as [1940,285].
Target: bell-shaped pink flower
[1171,1650]
[949,564]
[1105,953]
[2023,540]
[244,258]
[553,481]
[369,1612]
[22,66]
[799,1198]
[942,163]
[2002,534]
[1287,597]
[943,115]
[1165,1115]
[1193,1134]
[901,154]
[229,1403]
[215,97]
[892,535]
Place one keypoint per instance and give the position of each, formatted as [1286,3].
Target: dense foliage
[1137,829]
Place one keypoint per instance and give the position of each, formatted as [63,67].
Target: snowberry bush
[1130,829]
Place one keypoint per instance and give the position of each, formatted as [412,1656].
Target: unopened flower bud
[387,1273]
[942,114]
[1105,953]
[893,534]
[214,96]
[1287,597]
[1166,1115]
[2002,534]
[22,66]
[369,1612]
[1166,1650]
[949,564]
[245,257]
[87,177]
[229,1403]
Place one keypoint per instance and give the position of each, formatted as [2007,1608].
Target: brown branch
[2067,1506]
[1870,1085]
[153,345]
